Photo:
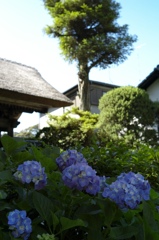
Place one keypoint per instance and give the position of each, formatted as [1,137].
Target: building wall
[153,91]
[43,122]
[96,92]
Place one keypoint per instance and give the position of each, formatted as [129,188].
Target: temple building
[22,89]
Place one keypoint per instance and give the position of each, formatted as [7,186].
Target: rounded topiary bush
[127,113]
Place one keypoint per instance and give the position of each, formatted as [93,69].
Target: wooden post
[10,131]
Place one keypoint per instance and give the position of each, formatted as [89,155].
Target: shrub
[127,113]
[112,159]
[75,127]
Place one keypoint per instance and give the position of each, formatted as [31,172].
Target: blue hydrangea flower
[103,183]
[68,158]
[20,224]
[31,171]
[82,177]
[128,191]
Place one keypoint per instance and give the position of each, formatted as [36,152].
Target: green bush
[127,113]
[113,159]
[75,127]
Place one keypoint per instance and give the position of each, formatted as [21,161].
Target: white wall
[54,111]
[153,91]
[58,112]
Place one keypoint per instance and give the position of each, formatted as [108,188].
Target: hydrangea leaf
[70,223]
[11,144]
[44,206]
[123,232]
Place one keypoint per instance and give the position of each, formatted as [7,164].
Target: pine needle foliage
[90,35]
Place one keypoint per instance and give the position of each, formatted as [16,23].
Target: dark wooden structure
[22,89]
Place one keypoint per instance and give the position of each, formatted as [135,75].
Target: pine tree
[89,34]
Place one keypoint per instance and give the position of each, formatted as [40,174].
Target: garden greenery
[114,158]
[73,128]
[127,116]
[127,113]
[46,194]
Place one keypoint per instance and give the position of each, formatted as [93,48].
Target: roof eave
[92,82]
[151,78]
[30,102]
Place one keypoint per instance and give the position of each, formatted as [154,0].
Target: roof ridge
[24,65]
[21,64]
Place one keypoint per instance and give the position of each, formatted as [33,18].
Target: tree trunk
[84,88]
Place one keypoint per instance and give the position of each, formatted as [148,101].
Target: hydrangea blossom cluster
[82,177]
[20,224]
[31,171]
[76,173]
[68,158]
[128,190]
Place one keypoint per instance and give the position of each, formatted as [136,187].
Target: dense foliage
[71,129]
[128,113]
[89,34]
[73,201]
[114,158]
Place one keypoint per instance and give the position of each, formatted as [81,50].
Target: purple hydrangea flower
[20,224]
[128,190]
[31,171]
[68,158]
[82,177]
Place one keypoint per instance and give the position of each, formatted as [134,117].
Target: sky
[22,39]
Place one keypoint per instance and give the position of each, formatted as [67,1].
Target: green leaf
[141,233]
[5,205]
[47,162]
[44,206]
[95,225]
[109,209]
[148,216]
[11,144]
[5,176]
[154,194]
[6,236]
[3,194]
[20,157]
[123,232]
[55,220]
[70,223]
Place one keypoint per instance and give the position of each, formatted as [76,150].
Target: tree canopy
[128,113]
[89,34]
